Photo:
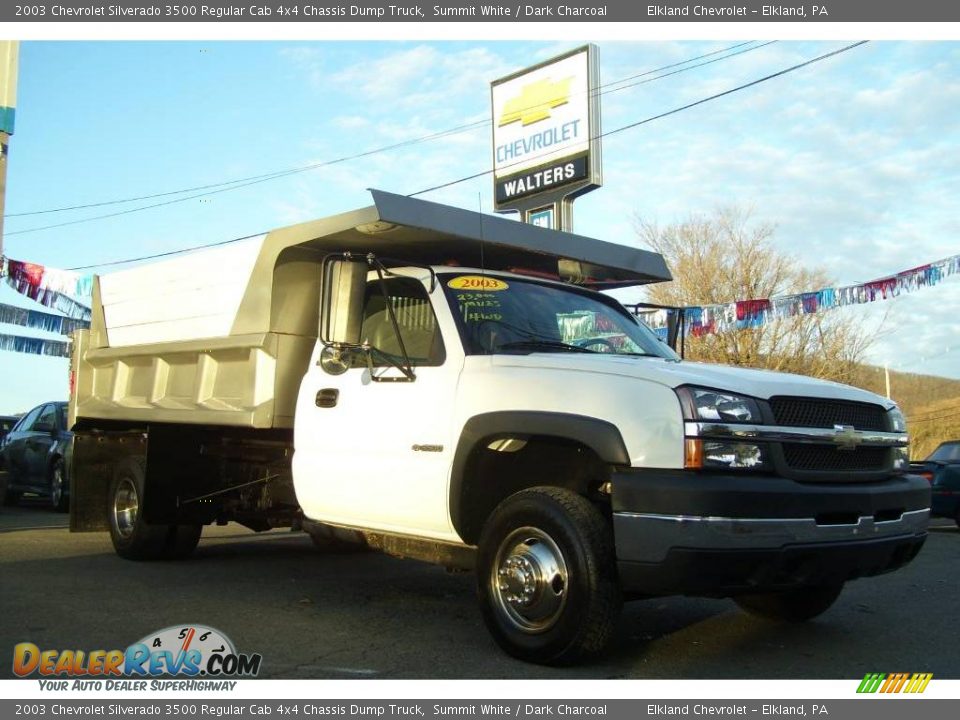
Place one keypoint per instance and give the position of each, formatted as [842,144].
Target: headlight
[732,455]
[898,423]
[901,458]
[901,455]
[717,406]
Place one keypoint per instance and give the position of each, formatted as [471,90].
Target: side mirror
[335,360]
[344,279]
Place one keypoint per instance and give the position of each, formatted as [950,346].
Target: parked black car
[36,454]
[6,424]
[942,470]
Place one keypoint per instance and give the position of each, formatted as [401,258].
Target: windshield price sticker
[477,282]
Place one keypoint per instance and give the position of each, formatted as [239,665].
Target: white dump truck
[450,386]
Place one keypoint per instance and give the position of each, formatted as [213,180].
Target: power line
[764,79]
[236,184]
[251,179]
[630,126]
[676,72]
[168,253]
[926,414]
[929,413]
[941,417]
[487,172]
[258,180]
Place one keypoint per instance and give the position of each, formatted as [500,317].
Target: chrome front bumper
[649,537]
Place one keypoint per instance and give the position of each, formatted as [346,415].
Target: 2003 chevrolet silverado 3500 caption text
[450,386]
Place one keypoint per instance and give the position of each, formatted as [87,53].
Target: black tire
[10,496]
[546,577]
[59,490]
[182,541]
[133,538]
[791,605]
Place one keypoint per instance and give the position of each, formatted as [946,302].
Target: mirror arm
[371,258]
[408,374]
[407,368]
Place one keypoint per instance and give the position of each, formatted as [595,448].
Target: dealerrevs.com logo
[183,651]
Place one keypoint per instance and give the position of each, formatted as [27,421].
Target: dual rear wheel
[133,537]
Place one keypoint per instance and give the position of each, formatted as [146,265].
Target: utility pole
[9,50]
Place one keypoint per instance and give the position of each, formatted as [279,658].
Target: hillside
[931,404]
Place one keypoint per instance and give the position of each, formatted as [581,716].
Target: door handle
[327,398]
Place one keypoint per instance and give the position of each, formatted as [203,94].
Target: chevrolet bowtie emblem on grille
[846,437]
[535,102]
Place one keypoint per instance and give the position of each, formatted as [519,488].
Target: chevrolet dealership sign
[546,123]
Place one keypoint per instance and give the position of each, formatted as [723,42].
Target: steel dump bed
[223,336]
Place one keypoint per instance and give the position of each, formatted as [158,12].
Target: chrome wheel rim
[56,486]
[529,581]
[126,507]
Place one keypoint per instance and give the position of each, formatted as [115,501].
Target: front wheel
[547,577]
[796,605]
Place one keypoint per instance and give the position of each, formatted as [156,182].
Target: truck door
[373,450]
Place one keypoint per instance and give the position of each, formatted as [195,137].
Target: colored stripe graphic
[871,681]
[919,682]
[894,683]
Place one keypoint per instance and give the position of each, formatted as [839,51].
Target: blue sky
[854,159]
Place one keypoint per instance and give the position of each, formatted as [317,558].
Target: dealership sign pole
[8,94]
[546,138]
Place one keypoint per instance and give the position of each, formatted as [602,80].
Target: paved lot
[322,615]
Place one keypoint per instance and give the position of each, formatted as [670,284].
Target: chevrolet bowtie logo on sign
[536,101]
[895,682]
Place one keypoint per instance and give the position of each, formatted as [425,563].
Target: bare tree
[725,257]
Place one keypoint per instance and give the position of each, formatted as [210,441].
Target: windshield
[497,315]
[947,452]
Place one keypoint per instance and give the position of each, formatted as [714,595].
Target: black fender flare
[601,436]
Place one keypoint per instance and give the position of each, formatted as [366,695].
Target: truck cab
[447,386]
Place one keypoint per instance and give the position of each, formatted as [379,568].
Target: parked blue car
[36,455]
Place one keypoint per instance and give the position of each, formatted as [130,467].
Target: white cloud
[350,122]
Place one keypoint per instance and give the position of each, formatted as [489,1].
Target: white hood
[762,384]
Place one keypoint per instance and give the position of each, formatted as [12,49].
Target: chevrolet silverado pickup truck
[455,387]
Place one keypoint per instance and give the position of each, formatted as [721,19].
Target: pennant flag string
[57,289]
[742,314]
[35,346]
[39,320]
